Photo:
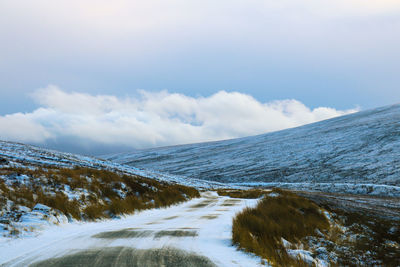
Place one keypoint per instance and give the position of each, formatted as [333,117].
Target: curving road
[195,233]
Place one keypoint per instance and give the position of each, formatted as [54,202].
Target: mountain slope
[359,148]
[22,155]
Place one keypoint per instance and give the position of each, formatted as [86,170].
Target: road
[194,233]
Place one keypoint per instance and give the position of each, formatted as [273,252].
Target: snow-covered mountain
[361,148]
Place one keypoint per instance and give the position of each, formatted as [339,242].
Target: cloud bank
[153,118]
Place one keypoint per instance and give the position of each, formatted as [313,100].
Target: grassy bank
[284,223]
[86,193]
[279,215]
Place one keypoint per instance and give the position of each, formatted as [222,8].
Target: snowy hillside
[332,155]
[40,187]
[22,155]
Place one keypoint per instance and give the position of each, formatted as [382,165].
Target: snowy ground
[383,207]
[343,188]
[196,232]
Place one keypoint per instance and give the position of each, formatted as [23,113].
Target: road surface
[195,233]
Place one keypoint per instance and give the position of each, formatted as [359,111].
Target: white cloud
[22,127]
[153,119]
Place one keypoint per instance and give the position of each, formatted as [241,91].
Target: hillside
[40,187]
[358,153]
[22,155]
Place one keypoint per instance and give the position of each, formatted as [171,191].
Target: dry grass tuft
[237,193]
[259,230]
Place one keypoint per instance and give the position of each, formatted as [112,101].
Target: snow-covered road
[195,233]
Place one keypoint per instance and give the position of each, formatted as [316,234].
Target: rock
[321,250]
[23,209]
[302,254]
[286,243]
[3,161]
[41,208]
[393,230]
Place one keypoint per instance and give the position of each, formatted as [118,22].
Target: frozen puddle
[195,233]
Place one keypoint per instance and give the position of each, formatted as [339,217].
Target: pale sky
[338,55]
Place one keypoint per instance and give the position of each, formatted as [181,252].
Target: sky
[105,76]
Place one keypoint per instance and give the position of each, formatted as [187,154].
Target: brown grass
[259,230]
[104,199]
[237,193]
[354,237]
